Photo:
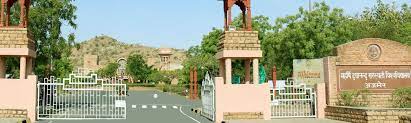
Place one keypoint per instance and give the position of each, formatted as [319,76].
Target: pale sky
[178,23]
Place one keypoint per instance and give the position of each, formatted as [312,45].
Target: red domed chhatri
[24,12]
[245,6]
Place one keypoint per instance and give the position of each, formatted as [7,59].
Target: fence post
[195,85]
[274,77]
[191,85]
[320,98]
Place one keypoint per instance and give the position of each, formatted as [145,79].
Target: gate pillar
[17,94]
[245,98]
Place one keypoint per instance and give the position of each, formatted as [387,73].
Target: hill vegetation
[109,50]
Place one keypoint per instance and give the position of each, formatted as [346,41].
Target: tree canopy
[110,70]
[137,67]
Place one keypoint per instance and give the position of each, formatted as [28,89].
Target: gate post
[191,84]
[320,98]
[195,85]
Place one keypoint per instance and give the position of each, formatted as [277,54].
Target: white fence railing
[289,99]
[208,97]
[81,97]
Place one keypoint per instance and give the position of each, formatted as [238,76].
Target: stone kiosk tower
[18,96]
[249,100]
[165,54]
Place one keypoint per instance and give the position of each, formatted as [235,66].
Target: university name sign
[308,71]
[377,79]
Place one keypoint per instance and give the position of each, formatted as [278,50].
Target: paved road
[142,107]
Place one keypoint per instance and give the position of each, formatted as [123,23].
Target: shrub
[401,97]
[354,98]
[140,85]
[177,89]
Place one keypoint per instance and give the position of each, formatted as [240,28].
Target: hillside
[109,50]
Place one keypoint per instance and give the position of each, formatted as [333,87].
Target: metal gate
[81,97]
[208,97]
[290,99]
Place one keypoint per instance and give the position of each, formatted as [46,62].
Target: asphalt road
[144,107]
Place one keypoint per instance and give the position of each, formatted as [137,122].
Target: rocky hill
[110,50]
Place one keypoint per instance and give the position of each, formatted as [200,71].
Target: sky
[178,23]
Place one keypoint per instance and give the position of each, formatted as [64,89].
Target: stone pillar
[2,16]
[228,18]
[29,66]
[321,100]
[222,69]
[22,13]
[2,68]
[247,71]
[228,71]
[255,71]
[23,67]
[7,15]
[249,19]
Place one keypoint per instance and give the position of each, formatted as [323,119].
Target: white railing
[81,97]
[208,97]
[292,100]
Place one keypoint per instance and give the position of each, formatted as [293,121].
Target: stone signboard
[376,79]
[309,71]
[378,65]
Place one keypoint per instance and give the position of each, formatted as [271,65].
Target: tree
[202,56]
[137,67]
[305,35]
[110,70]
[386,21]
[46,19]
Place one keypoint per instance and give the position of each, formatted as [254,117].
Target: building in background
[165,54]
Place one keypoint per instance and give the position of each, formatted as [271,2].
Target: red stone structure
[245,6]
[193,84]
[5,10]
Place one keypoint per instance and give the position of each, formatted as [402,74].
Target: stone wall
[254,98]
[16,38]
[365,115]
[13,113]
[19,94]
[243,115]
[405,119]
[379,100]
[239,40]
[356,54]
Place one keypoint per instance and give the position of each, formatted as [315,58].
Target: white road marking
[164,106]
[175,107]
[133,106]
[144,106]
[154,106]
[188,116]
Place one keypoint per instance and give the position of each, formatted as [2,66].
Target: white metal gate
[290,99]
[208,97]
[81,97]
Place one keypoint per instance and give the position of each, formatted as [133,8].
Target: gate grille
[292,100]
[208,98]
[81,97]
